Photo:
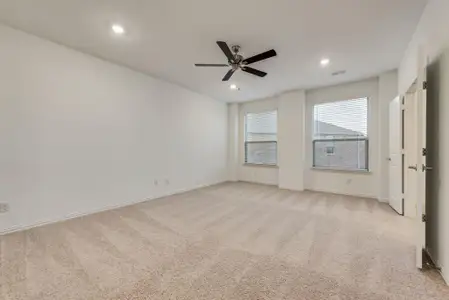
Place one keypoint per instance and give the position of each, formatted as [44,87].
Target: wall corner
[291,154]
[233,142]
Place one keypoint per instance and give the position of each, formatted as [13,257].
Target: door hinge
[424,218]
[424,151]
[424,85]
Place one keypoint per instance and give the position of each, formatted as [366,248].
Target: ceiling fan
[236,61]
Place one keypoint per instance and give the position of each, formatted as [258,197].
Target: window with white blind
[261,138]
[340,135]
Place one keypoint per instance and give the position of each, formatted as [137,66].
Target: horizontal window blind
[345,119]
[340,135]
[261,138]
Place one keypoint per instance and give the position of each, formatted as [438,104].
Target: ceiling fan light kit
[238,62]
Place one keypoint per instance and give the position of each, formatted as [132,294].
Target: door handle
[426,168]
[413,167]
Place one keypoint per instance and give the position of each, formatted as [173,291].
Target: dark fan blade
[211,65]
[254,71]
[224,47]
[228,75]
[259,57]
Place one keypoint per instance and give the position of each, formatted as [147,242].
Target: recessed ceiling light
[233,87]
[118,29]
[325,61]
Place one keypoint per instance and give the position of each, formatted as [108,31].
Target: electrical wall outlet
[4,208]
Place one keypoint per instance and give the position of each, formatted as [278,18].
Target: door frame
[421,152]
[399,100]
[410,117]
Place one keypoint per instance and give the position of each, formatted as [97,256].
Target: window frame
[330,153]
[365,139]
[367,169]
[245,142]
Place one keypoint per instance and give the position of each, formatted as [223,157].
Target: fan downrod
[235,49]
[237,57]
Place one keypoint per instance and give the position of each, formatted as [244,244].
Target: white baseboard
[343,194]
[383,200]
[96,211]
[317,190]
[255,182]
[438,265]
[445,278]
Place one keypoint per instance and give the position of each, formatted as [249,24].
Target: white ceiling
[166,37]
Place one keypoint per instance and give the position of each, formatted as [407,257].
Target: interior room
[224,150]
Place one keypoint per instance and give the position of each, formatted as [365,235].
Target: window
[340,135]
[261,138]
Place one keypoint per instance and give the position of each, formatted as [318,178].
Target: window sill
[261,165]
[365,172]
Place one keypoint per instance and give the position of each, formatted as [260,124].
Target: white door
[411,159]
[395,159]
[421,110]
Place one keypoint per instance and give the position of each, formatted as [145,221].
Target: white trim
[260,165]
[342,194]
[383,200]
[260,183]
[445,278]
[330,169]
[437,264]
[112,207]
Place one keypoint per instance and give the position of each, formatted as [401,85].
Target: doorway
[403,155]
[437,92]
[396,166]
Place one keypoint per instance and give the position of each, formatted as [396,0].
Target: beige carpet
[230,241]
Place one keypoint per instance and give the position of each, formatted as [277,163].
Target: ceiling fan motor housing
[237,57]
[236,49]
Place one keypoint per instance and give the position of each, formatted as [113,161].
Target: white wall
[253,173]
[233,141]
[289,173]
[349,183]
[432,35]
[295,141]
[291,118]
[388,90]
[80,135]
[437,206]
